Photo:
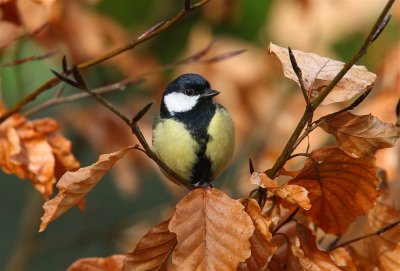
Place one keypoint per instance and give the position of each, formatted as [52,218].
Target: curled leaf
[319,71]
[112,263]
[348,259]
[261,246]
[35,150]
[74,186]
[152,251]
[306,254]
[361,135]
[213,231]
[295,194]
[340,187]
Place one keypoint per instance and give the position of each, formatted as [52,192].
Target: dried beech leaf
[74,186]
[384,249]
[295,194]
[307,255]
[361,135]
[213,231]
[348,259]
[340,188]
[261,246]
[112,263]
[152,251]
[319,71]
[35,150]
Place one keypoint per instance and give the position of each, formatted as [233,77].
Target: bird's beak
[209,93]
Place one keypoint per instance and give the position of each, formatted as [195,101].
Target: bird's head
[186,92]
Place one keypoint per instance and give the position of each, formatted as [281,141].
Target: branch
[322,120]
[57,100]
[81,84]
[378,232]
[152,32]
[373,35]
[196,57]
[287,220]
[28,59]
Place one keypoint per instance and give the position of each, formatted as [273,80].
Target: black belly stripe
[197,121]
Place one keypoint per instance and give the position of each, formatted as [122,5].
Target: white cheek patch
[179,102]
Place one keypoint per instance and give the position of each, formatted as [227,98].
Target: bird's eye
[189,92]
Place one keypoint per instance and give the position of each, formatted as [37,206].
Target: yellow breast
[222,139]
[175,147]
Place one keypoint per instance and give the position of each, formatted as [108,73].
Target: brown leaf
[112,263]
[348,259]
[213,231]
[307,255]
[384,249]
[74,186]
[152,251]
[340,187]
[319,71]
[361,135]
[35,150]
[295,194]
[261,246]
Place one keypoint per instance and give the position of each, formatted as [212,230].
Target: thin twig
[25,35]
[57,100]
[28,59]
[323,119]
[378,232]
[288,149]
[288,219]
[130,45]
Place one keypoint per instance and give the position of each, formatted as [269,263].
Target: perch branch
[79,82]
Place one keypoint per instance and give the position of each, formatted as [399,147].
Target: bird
[193,135]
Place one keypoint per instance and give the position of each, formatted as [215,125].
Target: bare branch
[288,219]
[130,45]
[57,99]
[28,59]
[378,232]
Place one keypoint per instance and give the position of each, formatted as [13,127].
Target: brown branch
[374,33]
[378,232]
[57,100]
[132,123]
[323,119]
[130,45]
[287,220]
[28,59]
[25,35]
[196,57]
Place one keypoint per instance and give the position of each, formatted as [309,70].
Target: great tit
[193,135]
